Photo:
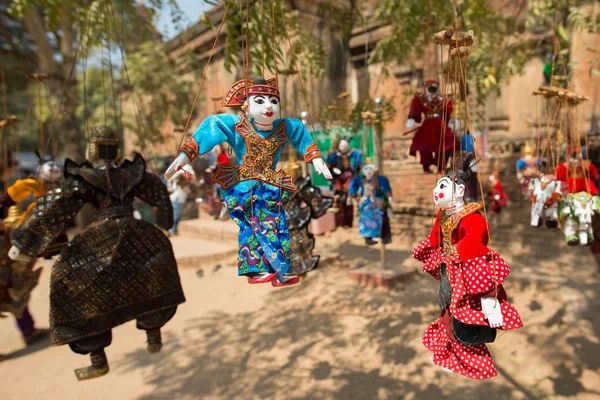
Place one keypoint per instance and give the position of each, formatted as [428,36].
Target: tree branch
[35,26]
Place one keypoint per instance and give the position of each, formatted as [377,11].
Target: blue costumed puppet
[374,206]
[253,191]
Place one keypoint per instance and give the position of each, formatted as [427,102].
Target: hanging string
[294,58]
[212,51]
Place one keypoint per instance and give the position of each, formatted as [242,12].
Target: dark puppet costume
[116,270]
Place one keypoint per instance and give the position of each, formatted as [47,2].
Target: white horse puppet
[576,216]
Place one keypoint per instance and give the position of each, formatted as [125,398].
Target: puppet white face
[264,109]
[344,146]
[447,193]
[369,171]
[51,171]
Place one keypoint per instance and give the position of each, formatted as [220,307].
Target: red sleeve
[448,109]
[222,159]
[473,237]
[416,109]
[593,172]
[561,172]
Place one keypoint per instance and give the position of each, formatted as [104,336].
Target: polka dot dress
[471,280]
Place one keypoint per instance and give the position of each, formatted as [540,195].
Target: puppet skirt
[264,240]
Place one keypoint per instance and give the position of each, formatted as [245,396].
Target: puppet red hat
[240,90]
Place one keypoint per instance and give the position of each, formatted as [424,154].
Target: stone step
[208,228]
[193,252]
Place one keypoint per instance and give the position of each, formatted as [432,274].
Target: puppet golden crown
[239,92]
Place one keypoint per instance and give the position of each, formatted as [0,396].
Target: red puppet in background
[433,140]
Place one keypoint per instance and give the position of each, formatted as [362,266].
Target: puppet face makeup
[446,193]
[344,146]
[264,109]
[369,171]
[51,171]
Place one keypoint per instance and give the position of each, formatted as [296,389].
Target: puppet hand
[181,161]
[137,214]
[321,168]
[492,311]
[496,197]
[15,254]
[390,213]
[337,171]
[410,123]
[348,201]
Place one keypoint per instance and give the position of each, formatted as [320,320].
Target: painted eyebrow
[258,95]
[444,179]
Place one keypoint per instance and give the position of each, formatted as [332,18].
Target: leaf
[595,72]
[562,32]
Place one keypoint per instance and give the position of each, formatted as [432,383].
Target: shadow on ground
[329,338]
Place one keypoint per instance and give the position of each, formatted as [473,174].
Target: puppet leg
[427,160]
[94,346]
[152,323]
[551,213]
[570,231]
[386,230]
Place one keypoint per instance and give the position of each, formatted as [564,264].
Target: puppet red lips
[269,113]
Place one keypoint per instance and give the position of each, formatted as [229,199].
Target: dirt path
[331,339]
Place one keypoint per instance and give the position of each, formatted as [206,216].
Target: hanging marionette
[545,192]
[345,163]
[305,204]
[471,297]
[434,141]
[117,270]
[528,165]
[50,176]
[18,278]
[254,192]
[580,175]
[374,205]
[576,212]
[496,195]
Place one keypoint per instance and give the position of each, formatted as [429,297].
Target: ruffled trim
[430,256]
[474,362]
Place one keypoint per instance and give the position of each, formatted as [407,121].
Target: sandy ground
[329,338]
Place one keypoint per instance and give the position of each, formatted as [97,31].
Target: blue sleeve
[358,160]
[521,164]
[301,139]
[332,159]
[355,185]
[384,183]
[215,130]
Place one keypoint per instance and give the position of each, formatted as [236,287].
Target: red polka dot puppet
[472,300]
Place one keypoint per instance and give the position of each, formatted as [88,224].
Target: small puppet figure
[496,194]
[18,278]
[528,166]
[305,204]
[178,193]
[576,212]
[345,163]
[434,141]
[545,192]
[471,297]
[375,205]
[254,192]
[580,175]
[50,175]
[119,268]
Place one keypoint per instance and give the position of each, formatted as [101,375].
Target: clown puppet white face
[448,194]
[264,110]
[344,146]
[369,171]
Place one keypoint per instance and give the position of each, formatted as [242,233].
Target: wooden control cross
[561,94]
[460,43]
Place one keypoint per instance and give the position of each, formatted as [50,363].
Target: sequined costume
[456,254]
[304,205]
[117,269]
[253,191]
